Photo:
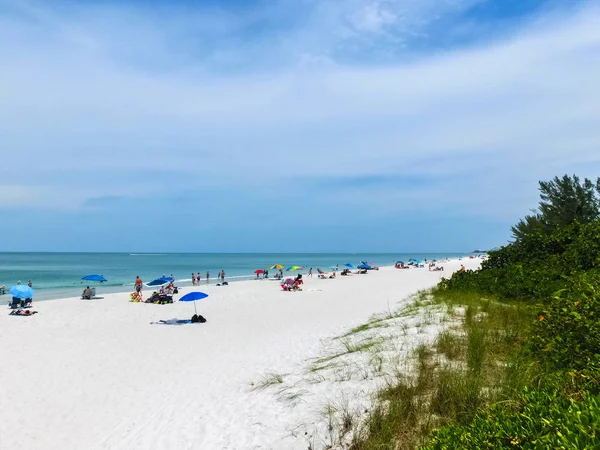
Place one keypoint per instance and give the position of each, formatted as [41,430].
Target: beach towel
[172,322]
[199,319]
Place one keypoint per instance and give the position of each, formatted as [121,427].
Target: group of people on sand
[197,279]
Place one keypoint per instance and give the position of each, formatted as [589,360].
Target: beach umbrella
[399,262]
[99,278]
[350,265]
[332,267]
[365,266]
[276,266]
[259,271]
[292,268]
[160,281]
[21,291]
[418,261]
[192,297]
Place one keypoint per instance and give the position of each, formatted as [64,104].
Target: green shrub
[543,419]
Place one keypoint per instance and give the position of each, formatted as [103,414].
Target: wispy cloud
[179,99]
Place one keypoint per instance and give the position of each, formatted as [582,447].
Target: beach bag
[198,319]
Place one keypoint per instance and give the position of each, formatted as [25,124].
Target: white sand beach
[96,374]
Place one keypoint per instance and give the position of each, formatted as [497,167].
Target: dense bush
[543,419]
[555,264]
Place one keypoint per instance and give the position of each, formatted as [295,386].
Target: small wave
[147,254]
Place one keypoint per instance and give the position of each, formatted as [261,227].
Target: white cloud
[69,100]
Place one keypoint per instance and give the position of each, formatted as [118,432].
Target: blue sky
[297,125]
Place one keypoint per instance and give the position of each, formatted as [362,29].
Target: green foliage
[542,419]
[563,201]
[567,332]
[553,264]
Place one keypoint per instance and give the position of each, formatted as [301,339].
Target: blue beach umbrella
[160,281]
[365,266]
[332,267]
[99,278]
[350,265]
[192,297]
[21,291]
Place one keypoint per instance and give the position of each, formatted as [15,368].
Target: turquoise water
[57,275]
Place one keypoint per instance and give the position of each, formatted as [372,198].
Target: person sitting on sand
[21,312]
[297,284]
[87,293]
[135,297]
[333,275]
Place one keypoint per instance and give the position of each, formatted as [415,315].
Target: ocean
[58,275]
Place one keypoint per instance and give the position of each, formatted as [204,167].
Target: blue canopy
[350,265]
[192,297]
[21,291]
[94,278]
[365,266]
[418,261]
[399,262]
[332,267]
[160,281]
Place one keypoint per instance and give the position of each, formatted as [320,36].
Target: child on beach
[193,279]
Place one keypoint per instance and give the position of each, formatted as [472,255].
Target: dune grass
[269,379]
[475,362]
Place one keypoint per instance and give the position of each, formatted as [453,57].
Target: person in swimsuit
[198,279]
[20,312]
[207,276]
[138,284]
[193,279]
[222,276]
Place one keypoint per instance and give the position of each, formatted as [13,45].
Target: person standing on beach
[198,279]
[29,283]
[193,279]
[138,284]
[207,277]
[222,276]
[309,272]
